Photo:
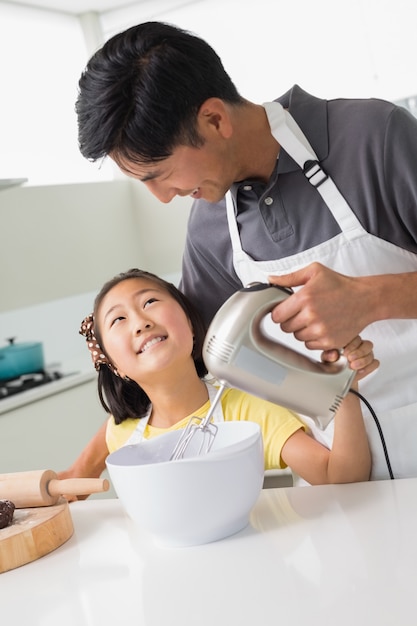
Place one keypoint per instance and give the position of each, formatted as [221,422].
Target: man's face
[206,172]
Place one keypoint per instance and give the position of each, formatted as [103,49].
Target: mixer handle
[274,294]
[258,286]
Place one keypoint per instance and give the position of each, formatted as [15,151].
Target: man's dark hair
[140,94]
[122,397]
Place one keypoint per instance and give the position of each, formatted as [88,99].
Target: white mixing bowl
[194,500]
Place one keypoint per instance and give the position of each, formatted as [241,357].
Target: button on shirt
[287,228]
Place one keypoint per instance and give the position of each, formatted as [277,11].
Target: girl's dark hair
[140,94]
[125,398]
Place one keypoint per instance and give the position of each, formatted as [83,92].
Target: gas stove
[25,382]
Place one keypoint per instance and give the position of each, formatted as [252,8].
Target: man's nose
[164,194]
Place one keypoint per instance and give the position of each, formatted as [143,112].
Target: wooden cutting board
[33,533]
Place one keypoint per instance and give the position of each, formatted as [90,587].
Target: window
[42,56]
[44,52]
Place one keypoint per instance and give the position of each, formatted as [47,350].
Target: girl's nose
[141,325]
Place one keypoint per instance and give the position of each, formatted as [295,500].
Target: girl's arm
[349,460]
[91,462]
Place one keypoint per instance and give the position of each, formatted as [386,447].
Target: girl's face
[144,330]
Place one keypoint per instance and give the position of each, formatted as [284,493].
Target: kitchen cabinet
[50,433]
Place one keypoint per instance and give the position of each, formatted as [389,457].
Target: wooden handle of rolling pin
[77,486]
[43,488]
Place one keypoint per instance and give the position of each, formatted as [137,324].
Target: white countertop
[339,554]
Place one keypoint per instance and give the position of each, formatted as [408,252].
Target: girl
[146,343]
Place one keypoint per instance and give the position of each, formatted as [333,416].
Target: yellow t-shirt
[277,424]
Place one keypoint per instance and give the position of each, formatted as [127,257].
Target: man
[302,192]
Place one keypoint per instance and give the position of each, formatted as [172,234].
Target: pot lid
[13,346]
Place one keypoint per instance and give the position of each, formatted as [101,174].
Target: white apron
[392,389]
[137,435]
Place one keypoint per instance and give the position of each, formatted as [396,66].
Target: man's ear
[214,115]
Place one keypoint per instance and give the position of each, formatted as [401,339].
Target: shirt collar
[311,114]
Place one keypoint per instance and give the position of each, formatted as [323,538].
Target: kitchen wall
[59,244]
[68,239]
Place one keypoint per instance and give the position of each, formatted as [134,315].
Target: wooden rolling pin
[43,488]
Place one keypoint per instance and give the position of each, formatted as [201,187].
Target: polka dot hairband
[97,354]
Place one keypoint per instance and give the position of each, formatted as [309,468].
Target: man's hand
[327,311]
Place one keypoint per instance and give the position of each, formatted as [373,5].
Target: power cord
[378,425]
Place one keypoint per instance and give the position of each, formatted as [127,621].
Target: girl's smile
[150,342]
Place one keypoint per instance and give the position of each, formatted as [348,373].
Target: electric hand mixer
[239,354]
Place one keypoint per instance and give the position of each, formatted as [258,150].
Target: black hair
[140,94]
[122,397]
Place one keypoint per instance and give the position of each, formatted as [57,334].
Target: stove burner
[26,381]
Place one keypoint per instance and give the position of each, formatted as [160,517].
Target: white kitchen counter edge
[43,391]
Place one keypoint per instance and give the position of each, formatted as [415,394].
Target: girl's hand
[359,354]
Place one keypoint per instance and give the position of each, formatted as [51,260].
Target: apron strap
[231,219]
[290,136]
[137,435]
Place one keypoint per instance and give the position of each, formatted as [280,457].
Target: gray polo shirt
[368,147]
